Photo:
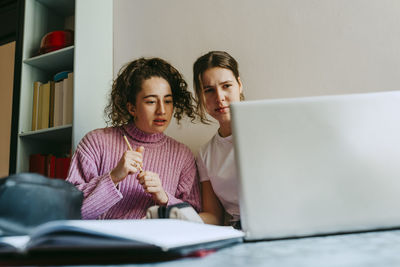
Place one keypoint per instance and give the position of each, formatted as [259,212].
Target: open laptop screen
[318,165]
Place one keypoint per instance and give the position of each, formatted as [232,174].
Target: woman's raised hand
[131,162]
[151,183]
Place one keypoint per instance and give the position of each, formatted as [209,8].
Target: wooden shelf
[56,61]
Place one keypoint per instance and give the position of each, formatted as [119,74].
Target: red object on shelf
[62,167]
[50,166]
[37,163]
[53,41]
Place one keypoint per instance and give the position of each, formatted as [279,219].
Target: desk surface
[365,249]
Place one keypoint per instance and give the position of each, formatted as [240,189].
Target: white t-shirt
[216,163]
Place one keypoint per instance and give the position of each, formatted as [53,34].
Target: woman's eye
[208,90]
[168,101]
[150,102]
[227,85]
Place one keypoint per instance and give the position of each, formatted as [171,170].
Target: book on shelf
[37,163]
[62,167]
[58,103]
[44,105]
[35,105]
[68,99]
[49,165]
[39,107]
[51,104]
[141,240]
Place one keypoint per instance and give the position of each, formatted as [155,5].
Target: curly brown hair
[129,83]
[211,60]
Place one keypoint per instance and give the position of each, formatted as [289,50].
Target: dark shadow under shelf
[59,134]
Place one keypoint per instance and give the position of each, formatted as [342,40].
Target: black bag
[29,199]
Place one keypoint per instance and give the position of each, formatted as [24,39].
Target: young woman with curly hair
[119,182]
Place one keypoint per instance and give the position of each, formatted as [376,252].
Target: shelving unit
[91,21]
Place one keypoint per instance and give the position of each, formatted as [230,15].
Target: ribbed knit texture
[100,151]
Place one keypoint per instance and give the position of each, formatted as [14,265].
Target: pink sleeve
[99,191]
[188,187]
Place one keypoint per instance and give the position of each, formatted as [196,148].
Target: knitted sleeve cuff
[172,200]
[103,197]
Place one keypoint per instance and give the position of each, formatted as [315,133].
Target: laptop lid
[318,165]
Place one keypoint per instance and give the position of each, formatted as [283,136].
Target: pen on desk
[130,148]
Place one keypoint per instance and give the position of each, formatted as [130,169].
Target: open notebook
[146,240]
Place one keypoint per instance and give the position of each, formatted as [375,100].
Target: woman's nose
[220,95]
[161,108]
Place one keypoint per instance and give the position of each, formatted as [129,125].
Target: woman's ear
[131,109]
[240,85]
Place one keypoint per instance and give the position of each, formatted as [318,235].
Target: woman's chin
[153,129]
[159,128]
[223,118]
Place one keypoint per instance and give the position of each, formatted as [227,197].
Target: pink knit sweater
[100,151]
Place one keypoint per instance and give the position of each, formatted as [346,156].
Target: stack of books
[49,165]
[53,102]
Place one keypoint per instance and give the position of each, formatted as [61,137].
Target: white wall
[92,73]
[285,48]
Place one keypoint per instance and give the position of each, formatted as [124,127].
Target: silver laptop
[318,165]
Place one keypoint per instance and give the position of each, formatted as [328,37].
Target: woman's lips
[159,122]
[222,109]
